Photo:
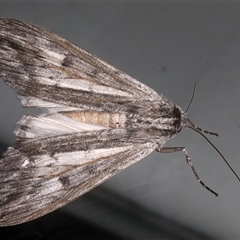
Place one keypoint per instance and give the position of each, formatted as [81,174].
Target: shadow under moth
[96,121]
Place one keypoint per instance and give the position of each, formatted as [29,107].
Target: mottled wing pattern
[41,176]
[57,158]
[47,71]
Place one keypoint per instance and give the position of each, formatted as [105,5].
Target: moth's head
[180,118]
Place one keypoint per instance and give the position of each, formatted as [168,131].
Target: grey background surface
[167,46]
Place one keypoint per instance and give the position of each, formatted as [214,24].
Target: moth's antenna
[194,89]
[195,127]
[200,131]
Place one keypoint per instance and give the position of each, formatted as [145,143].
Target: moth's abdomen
[105,119]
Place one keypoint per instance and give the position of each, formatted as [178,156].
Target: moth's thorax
[163,116]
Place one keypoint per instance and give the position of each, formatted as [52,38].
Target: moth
[96,121]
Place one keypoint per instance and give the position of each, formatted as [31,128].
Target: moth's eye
[177,116]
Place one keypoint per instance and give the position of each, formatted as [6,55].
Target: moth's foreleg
[189,161]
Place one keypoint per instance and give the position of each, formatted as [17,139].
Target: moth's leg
[189,161]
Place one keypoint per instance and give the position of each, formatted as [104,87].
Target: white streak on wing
[36,102]
[26,162]
[53,56]
[53,185]
[76,158]
[49,107]
[50,125]
[82,84]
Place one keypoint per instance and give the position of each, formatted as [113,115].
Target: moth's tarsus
[189,161]
[209,189]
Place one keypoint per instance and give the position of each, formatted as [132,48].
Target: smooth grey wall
[167,46]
